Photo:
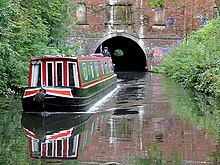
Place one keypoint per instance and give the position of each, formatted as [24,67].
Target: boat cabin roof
[58,57]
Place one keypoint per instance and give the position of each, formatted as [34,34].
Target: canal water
[148,120]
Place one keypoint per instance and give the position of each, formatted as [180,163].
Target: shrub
[195,63]
[31,29]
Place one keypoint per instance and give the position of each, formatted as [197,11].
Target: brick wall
[183,13]
[138,22]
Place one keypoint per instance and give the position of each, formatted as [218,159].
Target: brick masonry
[133,19]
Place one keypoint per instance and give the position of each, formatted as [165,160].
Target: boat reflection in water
[56,136]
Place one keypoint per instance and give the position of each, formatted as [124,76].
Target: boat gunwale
[70,58]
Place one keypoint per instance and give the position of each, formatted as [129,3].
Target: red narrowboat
[57,84]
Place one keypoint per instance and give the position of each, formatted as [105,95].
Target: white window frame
[110,66]
[75,146]
[106,67]
[85,72]
[52,73]
[33,70]
[36,146]
[103,69]
[97,69]
[52,144]
[91,68]
[75,72]
[59,62]
[61,148]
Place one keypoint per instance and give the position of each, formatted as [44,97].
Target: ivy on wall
[158,3]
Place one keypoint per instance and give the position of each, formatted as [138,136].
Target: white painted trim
[99,81]
[85,71]
[27,90]
[32,75]
[75,72]
[52,144]
[57,89]
[52,73]
[61,148]
[75,145]
[92,69]
[96,69]
[41,74]
[59,62]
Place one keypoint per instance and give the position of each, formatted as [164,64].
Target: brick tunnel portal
[126,54]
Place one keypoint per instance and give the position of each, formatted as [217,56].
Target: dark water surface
[149,120]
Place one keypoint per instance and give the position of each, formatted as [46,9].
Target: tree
[30,29]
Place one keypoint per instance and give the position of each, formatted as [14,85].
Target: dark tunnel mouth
[133,58]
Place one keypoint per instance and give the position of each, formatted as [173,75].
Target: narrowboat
[68,84]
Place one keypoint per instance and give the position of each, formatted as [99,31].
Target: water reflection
[55,136]
[150,120]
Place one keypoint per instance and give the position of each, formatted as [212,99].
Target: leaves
[31,29]
[156,3]
[160,3]
[195,63]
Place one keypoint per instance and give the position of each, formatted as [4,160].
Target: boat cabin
[68,71]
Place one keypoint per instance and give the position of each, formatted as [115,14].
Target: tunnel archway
[126,54]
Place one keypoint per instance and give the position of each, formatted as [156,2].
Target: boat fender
[40,96]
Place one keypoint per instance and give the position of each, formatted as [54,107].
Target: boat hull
[78,99]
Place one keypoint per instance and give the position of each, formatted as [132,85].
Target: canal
[148,120]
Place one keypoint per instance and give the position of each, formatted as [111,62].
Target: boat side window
[36,148]
[91,67]
[72,146]
[36,73]
[96,69]
[49,149]
[103,71]
[59,74]
[106,67]
[110,66]
[71,74]
[59,148]
[85,73]
[49,74]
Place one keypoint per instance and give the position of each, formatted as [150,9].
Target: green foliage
[31,29]
[118,52]
[201,110]
[178,156]
[156,3]
[13,144]
[156,156]
[195,63]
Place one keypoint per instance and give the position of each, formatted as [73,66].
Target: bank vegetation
[31,29]
[196,61]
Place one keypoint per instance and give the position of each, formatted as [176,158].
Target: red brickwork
[183,12]
[134,20]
